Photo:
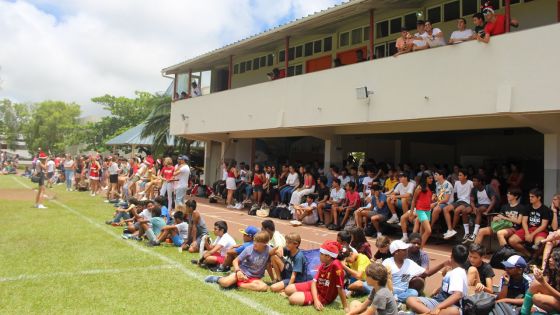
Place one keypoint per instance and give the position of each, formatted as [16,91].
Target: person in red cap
[495,23]
[40,169]
[328,283]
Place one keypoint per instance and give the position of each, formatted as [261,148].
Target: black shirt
[382,256]
[536,216]
[323,192]
[514,212]
[484,271]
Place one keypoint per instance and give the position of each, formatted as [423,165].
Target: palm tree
[157,126]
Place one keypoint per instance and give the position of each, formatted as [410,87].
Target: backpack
[503,309]
[479,304]
[501,255]
[285,213]
[273,212]
[253,210]
[312,262]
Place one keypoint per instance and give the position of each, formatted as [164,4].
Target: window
[344,40]
[434,14]
[248,65]
[356,36]
[290,72]
[236,69]
[291,53]
[380,51]
[382,29]
[470,7]
[410,21]
[308,49]
[263,61]
[242,67]
[451,11]
[282,56]
[327,44]
[256,64]
[299,51]
[366,33]
[494,3]
[392,48]
[270,60]
[299,69]
[396,25]
[317,46]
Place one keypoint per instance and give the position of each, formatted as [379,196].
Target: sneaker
[126,236]
[331,227]
[230,206]
[466,238]
[470,239]
[40,206]
[153,243]
[108,222]
[238,206]
[136,238]
[194,261]
[404,239]
[449,234]
[320,223]
[212,279]
[223,269]
[106,201]
[393,220]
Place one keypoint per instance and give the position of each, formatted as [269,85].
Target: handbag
[500,225]
[35,179]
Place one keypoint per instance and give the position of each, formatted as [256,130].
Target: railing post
[230,72]
[371,38]
[174,87]
[286,55]
[508,15]
[189,87]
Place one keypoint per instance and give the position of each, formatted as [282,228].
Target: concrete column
[213,156]
[333,152]
[551,166]
[208,169]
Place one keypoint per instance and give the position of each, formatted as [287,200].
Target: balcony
[474,84]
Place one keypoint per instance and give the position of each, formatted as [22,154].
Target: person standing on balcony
[419,39]
[462,34]
[495,23]
[404,43]
[195,90]
[434,36]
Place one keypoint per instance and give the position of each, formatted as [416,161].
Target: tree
[13,118]
[51,126]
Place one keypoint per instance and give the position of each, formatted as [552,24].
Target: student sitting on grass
[382,243]
[249,266]
[177,232]
[142,210]
[197,228]
[359,241]
[164,210]
[448,298]
[276,238]
[235,250]
[327,285]
[216,253]
[403,270]
[122,213]
[479,273]
[380,300]
[515,282]
[153,226]
[355,266]
[415,253]
[290,263]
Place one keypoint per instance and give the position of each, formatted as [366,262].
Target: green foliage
[13,118]
[50,125]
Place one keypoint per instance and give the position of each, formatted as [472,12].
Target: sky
[74,50]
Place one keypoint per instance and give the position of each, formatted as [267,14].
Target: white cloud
[73,50]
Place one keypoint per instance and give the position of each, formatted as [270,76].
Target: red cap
[42,155]
[330,248]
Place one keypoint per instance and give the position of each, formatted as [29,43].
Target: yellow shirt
[390,183]
[360,264]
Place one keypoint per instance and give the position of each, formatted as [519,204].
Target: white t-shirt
[482,197]
[313,217]
[420,42]
[455,281]
[68,164]
[463,191]
[146,214]
[113,168]
[462,35]
[50,166]
[183,229]
[277,240]
[226,241]
[433,40]
[401,277]
[292,179]
[338,195]
[184,174]
[196,92]
[344,180]
[401,189]
[366,182]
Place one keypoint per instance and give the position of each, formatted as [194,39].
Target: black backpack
[284,213]
[479,304]
[273,212]
[501,255]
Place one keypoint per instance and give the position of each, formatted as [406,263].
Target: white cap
[397,245]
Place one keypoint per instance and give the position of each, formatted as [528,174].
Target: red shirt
[496,28]
[329,279]
[167,172]
[257,180]
[353,197]
[424,200]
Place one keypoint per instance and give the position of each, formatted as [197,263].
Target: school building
[470,103]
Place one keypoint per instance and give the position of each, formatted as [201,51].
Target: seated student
[415,252]
[153,226]
[197,228]
[359,241]
[448,299]
[142,210]
[307,211]
[515,282]
[402,270]
[400,197]
[276,238]
[178,232]
[422,203]
[355,265]
[336,199]
[323,196]
[164,210]
[462,34]
[249,266]
[512,212]
[307,187]
[327,285]
[479,273]
[461,206]
[553,238]
[484,200]
[544,292]
[122,213]
[234,251]
[217,251]
[290,263]
[444,195]
[366,182]
[381,299]
[351,203]
[344,238]
[534,224]
[382,243]
[380,211]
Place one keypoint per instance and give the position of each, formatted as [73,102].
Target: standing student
[182,173]
[231,185]
[167,187]
[94,174]
[422,202]
[69,168]
[40,170]
[113,169]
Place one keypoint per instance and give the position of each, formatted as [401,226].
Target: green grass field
[64,259]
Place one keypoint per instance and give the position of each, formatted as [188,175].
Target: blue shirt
[295,264]
[157,224]
[253,263]
[382,198]
[241,248]
[165,213]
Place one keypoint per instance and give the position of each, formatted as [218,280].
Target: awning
[133,137]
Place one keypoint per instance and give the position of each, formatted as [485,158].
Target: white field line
[191,274]
[314,229]
[83,273]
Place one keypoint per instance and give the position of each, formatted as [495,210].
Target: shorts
[249,280]
[327,207]
[177,240]
[50,175]
[479,205]
[219,258]
[41,179]
[365,287]
[180,196]
[134,179]
[424,215]
[432,304]
[230,183]
[384,216]
[457,204]
[305,287]
[114,179]
[258,188]
[521,233]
